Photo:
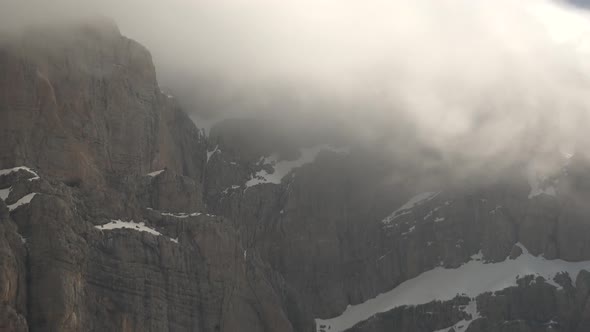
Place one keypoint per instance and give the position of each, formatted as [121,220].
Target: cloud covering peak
[478,79]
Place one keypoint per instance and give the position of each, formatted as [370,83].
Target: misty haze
[297,166]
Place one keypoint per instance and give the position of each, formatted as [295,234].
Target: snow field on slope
[471,279]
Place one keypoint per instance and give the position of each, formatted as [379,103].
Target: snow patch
[140,227]
[20,168]
[156,173]
[183,215]
[411,230]
[23,201]
[177,214]
[284,167]
[211,153]
[471,279]
[431,213]
[4,193]
[180,215]
[413,202]
[120,224]
[477,257]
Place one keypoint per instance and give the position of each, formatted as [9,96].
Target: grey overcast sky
[580,3]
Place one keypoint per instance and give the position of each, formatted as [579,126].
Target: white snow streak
[211,153]
[23,201]
[414,201]
[284,167]
[4,193]
[412,229]
[181,215]
[156,173]
[471,279]
[140,227]
[118,224]
[20,168]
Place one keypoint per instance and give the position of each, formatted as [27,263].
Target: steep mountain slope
[118,214]
[81,106]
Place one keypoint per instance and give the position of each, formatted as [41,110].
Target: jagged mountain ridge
[81,106]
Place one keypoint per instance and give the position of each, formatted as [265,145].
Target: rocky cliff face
[82,108]
[118,214]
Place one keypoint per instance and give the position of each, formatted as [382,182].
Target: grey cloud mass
[468,79]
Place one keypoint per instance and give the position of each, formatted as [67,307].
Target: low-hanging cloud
[477,79]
